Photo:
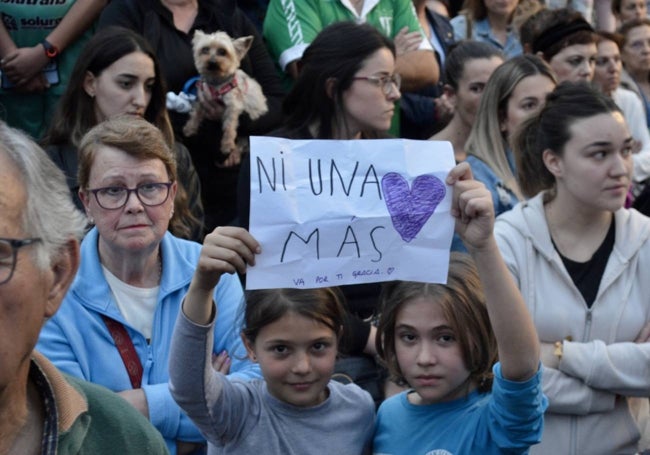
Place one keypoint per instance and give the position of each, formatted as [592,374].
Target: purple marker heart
[410,209]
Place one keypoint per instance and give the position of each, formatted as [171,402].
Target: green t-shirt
[290,25]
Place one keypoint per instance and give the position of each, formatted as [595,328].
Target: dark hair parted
[461,53]
[463,305]
[332,59]
[550,31]
[75,113]
[550,130]
[265,306]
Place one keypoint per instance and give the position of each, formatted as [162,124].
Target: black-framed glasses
[115,197]
[8,253]
[385,82]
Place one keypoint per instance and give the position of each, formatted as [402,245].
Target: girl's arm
[513,327]
[226,250]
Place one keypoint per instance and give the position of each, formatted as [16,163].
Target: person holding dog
[170,25]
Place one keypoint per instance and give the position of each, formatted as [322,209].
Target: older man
[43,411]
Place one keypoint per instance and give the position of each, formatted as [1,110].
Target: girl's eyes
[280,349]
[407,337]
[446,338]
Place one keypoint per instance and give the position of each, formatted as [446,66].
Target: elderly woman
[116,322]
[42,410]
[118,73]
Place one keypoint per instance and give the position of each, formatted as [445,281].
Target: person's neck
[498,22]
[641,77]
[143,269]
[457,133]
[21,417]
[576,230]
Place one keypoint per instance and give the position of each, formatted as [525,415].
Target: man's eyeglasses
[8,253]
[115,197]
[385,82]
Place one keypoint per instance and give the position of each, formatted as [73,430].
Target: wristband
[51,51]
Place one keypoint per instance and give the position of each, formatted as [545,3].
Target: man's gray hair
[50,213]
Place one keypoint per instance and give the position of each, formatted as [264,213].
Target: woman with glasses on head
[346,89]
[133,276]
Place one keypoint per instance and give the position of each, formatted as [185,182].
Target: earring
[91,220]
[171,214]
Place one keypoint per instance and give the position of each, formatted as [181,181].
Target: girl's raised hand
[472,207]
[227,249]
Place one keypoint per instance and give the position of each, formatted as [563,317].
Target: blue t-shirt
[506,421]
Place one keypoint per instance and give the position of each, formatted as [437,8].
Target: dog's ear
[198,34]
[242,45]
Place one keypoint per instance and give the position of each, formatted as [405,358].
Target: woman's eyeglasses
[385,82]
[115,197]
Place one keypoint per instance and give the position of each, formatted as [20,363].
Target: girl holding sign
[293,335]
[346,89]
[442,341]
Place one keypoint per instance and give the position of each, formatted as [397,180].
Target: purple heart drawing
[411,208]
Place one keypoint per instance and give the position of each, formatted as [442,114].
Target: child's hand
[472,207]
[227,249]
[221,363]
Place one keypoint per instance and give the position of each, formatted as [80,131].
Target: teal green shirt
[290,25]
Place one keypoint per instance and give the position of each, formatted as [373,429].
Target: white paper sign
[328,213]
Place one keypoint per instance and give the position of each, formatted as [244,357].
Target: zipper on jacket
[587,334]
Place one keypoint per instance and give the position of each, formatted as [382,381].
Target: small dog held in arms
[217,58]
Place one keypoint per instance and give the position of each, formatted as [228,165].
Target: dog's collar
[220,91]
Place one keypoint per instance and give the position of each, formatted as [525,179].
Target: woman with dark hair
[580,260]
[117,73]
[346,89]
[467,70]
[565,40]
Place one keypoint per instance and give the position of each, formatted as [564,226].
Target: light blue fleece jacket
[78,342]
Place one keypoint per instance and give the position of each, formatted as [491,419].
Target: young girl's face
[296,355]
[428,353]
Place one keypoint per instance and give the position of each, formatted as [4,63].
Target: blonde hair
[487,141]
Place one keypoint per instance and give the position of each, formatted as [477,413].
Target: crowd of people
[124,241]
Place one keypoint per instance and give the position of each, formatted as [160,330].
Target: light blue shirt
[481,31]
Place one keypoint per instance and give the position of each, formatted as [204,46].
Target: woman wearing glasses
[116,321]
[118,73]
[346,89]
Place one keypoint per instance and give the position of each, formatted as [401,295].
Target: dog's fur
[217,58]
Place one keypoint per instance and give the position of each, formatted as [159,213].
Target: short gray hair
[50,213]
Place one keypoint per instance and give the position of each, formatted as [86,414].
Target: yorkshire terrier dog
[217,58]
